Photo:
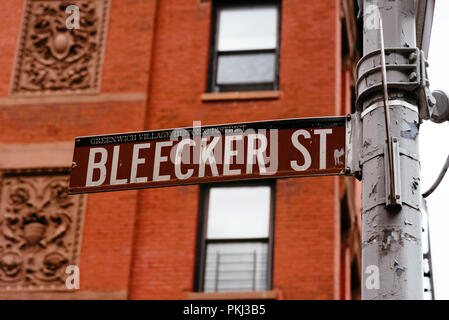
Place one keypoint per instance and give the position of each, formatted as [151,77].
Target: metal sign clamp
[353,145]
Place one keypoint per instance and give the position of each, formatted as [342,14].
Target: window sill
[256,295]
[240,95]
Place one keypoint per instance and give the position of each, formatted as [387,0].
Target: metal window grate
[236,267]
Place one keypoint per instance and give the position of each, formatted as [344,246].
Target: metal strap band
[365,158]
[390,103]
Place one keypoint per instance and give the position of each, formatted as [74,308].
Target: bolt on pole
[391,218]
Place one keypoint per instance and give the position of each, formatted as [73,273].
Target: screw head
[431,100]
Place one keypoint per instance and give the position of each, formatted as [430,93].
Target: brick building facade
[152,64]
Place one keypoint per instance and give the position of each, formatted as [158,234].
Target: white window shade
[246,68]
[247,28]
[239,212]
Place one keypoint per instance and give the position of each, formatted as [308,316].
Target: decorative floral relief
[40,230]
[55,59]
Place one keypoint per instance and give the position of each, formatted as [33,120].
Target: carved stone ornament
[40,231]
[56,54]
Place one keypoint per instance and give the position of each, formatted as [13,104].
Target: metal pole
[391,235]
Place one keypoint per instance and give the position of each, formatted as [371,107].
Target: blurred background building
[136,65]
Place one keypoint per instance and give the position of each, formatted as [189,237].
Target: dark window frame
[202,241]
[214,53]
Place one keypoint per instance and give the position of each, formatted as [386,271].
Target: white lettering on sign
[323,145]
[115,162]
[158,159]
[206,155]
[92,165]
[179,158]
[305,153]
[136,161]
[256,153]
[229,154]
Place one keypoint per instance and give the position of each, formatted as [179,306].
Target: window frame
[214,53]
[202,241]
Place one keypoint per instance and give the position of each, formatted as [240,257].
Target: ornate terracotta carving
[40,231]
[53,59]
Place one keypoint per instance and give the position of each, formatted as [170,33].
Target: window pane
[247,28]
[238,212]
[246,68]
[235,267]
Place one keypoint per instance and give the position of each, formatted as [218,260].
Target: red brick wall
[144,241]
[9,26]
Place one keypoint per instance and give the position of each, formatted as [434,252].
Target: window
[245,46]
[235,242]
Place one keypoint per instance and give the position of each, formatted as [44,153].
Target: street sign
[230,152]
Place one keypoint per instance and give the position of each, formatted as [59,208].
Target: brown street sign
[230,152]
